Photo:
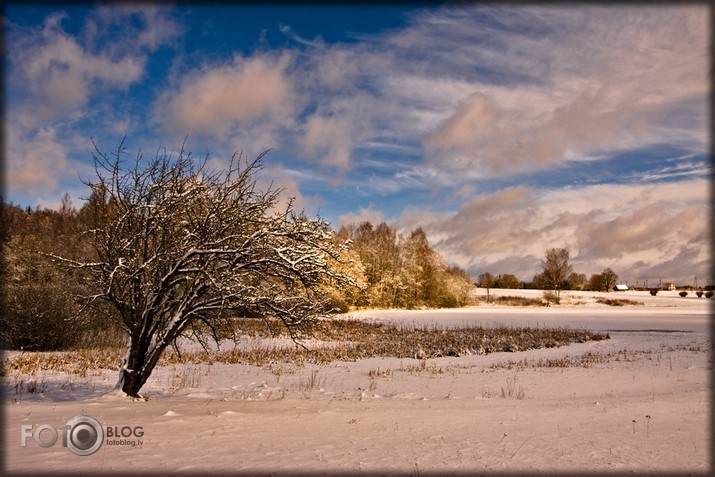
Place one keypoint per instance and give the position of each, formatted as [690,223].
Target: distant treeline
[40,310]
[604,281]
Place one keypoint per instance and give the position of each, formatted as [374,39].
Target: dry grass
[592,358]
[31,386]
[618,302]
[185,377]
[512,390]
[510,300]
[585,360]
[80,363]
[337,340]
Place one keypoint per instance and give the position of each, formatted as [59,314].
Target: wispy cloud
[680,168]
[580,81]
[501,130]
[288,32]
[572,85]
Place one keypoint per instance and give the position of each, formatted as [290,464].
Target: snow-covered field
[641,404]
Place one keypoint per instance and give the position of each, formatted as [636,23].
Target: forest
[42,311]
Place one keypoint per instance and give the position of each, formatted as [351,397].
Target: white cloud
[57,80]
[279,178]
[533,87]
[159,28]
[337,68]
[141,26]
[216,99]
[501,91]
[474,121]
[342,113]
[328,138]
[622,226]
[365,214]
[331,135]
[40,164]
[59,74]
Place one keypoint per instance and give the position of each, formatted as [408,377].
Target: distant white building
[620,287]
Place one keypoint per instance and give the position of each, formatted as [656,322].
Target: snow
[646,409]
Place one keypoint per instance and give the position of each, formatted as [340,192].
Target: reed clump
[267,342]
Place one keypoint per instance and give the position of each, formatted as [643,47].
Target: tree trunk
[129,382]
[129,375]
[136,369]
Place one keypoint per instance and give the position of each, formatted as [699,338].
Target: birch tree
[179,245]
[486,280]
[556,270]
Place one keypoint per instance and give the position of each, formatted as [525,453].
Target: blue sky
[502,131]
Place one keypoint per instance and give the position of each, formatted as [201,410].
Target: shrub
[683,294]
[336,302]
[618,302]
[708,294]
[550,297]
[699,293]
[39,317]
[511,300]
[653,291]
[43,316]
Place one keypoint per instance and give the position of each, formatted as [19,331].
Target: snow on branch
[177,243]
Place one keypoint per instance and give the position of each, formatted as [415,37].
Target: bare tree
[610,278]
[506,280]
[556,270]
[577,280]
[179,245]
[486,280]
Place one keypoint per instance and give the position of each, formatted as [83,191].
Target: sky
[501,130]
